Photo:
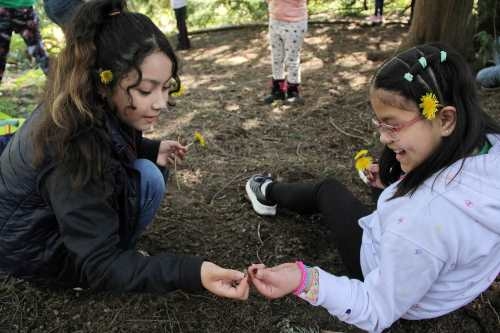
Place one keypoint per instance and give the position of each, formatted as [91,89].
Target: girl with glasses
[431,246]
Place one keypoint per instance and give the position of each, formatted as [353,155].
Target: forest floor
[206,212]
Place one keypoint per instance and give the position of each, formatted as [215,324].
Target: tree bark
[448,21]
[489,17]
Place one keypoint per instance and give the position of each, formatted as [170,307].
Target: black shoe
[182,47]
[275,96]
[277,92]
[294,98]
[260,204]
[293,95]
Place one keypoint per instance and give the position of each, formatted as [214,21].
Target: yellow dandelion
[361,153]
[362,160]
[199,138]
[106,76]
[429,105]
[182,91]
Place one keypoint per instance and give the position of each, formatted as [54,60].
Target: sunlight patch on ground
[351,60]
[170,124]
[251,124]
[205,54]
[193,82]
[280,111]
[320,42]
[354,80]
[235,60]
[220,87]
[190,176]
[312,64]
[231,60]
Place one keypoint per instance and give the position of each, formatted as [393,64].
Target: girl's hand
[373,176]
[275,282]
[224,282]
[169,151]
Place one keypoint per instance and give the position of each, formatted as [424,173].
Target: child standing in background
[287,26]
[180,10]
[19,16]
[378,17]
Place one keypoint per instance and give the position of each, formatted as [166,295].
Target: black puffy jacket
[53,233]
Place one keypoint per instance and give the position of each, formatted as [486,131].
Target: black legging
[340,212]
[379,7]
[182,37]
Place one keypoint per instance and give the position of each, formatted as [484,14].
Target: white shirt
[178,3]
[426,255]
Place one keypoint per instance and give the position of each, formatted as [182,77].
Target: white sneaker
[260,204]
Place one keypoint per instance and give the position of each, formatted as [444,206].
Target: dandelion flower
[429,105]
[199,138]
[361,153]
[182,91]
[362,160]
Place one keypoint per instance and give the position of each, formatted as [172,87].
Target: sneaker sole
[257,206]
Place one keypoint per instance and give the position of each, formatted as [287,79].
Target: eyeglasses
[393,130]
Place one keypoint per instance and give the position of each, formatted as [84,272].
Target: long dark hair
[449,77]
[103,35]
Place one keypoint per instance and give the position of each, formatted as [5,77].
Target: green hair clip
[408,76]
[443,56]
[423,62]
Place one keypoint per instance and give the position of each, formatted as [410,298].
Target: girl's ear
[448,120]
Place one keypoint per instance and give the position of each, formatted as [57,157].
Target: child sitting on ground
[80,183]
[432,244]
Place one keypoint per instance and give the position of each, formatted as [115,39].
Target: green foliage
[18,53]
[210,13]
[7,106]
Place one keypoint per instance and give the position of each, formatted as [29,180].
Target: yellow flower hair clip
[429,105]
[182,91]
[106,76]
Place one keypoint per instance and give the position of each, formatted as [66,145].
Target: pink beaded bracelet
[303,276]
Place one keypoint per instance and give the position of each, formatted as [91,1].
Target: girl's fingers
[254,268]
[233,275]
[243,288]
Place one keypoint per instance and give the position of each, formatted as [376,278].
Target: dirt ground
[206,212]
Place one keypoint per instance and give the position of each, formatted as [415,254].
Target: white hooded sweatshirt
[427,254]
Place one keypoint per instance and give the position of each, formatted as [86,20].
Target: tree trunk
[448,21]
[489,17]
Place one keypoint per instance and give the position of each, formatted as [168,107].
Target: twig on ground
[258,257]
[236,178]
[258,234]
[176,174]
[297,151]
[493,309]
[261,244]
[346,133]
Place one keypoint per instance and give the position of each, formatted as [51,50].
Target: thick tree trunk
[448,21]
